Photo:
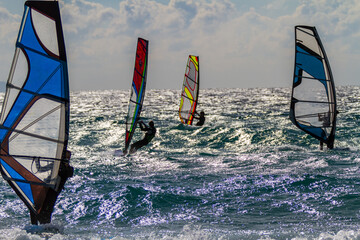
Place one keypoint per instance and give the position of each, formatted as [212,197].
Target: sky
[241,43]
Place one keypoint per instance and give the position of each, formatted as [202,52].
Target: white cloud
[9,25]
[237,48]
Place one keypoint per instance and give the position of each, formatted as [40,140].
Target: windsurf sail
[34,122]
[137,90]
[313,100]
[190,91]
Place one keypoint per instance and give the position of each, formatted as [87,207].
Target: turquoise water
[248,173]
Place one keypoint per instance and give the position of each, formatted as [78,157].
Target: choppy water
[248,173]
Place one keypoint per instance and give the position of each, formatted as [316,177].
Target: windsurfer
[43,168]
[149,135]
[200,117]
[66,171]
[329,145]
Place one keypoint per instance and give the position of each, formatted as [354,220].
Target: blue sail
[34,122]
[313,100]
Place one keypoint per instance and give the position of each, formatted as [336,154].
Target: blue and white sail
[313,100]
[34,122]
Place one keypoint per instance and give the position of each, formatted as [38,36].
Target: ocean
[248,173]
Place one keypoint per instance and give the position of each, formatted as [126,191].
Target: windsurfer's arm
[196,115]
[67,155]
[143,126]
[33,218]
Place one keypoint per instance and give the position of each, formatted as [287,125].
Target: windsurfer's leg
[321,145]
[47,209]
[135,146]
[33,218]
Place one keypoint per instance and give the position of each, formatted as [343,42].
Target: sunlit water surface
[248,173]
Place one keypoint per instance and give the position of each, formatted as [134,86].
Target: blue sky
[241,44]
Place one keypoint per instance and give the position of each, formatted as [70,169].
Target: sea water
[248,173]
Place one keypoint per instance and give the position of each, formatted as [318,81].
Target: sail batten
[313,100]
[34,121]
[190,90]
[137,93]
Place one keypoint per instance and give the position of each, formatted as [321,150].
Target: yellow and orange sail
[190,91]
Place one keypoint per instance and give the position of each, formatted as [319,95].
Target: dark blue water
[248,173]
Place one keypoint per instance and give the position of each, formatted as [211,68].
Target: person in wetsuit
[149,135]
[65,171]
[200,117]
[325,119]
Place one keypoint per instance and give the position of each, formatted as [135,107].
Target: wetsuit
[201,119]
[66,171]
[149,135]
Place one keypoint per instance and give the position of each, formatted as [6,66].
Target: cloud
[97,32]
[247,49]
[237,47]
[8,24]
